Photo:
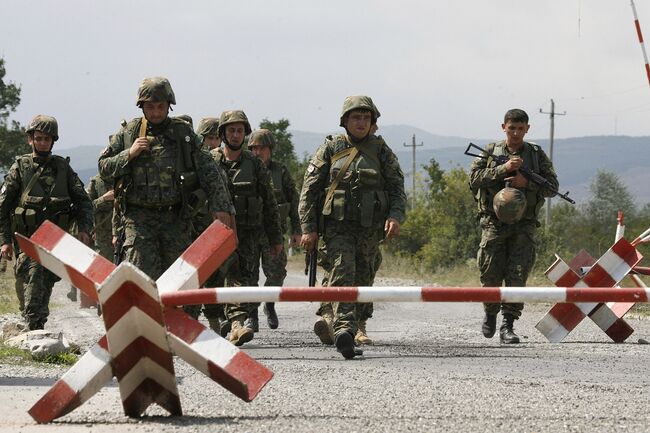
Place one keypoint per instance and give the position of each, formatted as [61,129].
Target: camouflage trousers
[505,257]
[154,238]
[352,252]
[274,268]
[33,288]
[244,270]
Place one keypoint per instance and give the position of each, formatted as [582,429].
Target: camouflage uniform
[157,184]
[507,251]
[103,215]
[370,192]
[37,188]
[256,214]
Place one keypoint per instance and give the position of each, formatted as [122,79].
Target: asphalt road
[430,370]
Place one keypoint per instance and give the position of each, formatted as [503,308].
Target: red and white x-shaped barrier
[141,335]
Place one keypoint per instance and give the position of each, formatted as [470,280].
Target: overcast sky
[449,67]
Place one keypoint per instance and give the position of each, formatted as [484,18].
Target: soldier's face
[262,152]
[235,133]
[212,141]
[515,132]
[40,141]
[358,123]
[155,112]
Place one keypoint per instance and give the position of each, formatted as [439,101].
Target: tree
[284,151]
[12,136]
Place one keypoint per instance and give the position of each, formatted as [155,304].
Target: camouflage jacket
[251,189]
[12,188]
[319,176]
[286,194]
[114,162]
[487,178]
[97,187]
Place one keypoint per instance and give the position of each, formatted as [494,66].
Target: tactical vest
[360,195]
[278,190]
[165,174]
[534,200]
[39,202]
[243,180]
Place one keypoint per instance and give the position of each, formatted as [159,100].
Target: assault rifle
[118,253]
[527,172]
[310,266]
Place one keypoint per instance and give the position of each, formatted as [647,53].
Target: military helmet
[155,89]
[509,204]
[45,124]
[208,126]
[234,116]
[359,102]
[186,118]
[262,137]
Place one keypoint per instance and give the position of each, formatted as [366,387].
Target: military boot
[271,315]
[345,345]
[253,321]
[489,325]
[324,328]
[239,332]
[507,334]
[362,337]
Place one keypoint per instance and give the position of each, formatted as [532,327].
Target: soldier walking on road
[256,215]
[508,209]
[38,187]
[262,143]
[101,192]
[362,184]
[157,163]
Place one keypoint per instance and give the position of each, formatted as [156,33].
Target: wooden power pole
[552,115]
[413,146]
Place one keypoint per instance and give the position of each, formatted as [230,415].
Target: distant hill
[576,159]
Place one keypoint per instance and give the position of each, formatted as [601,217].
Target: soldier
[101,192]
[262,144]
[38,187]
[256,213]
[362,184]
[186,118]
[209,130]
[157,164]
[508,217]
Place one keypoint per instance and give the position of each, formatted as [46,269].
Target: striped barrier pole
[139,314]
[229,295]
[637,26]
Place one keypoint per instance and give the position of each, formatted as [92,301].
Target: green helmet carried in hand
[44,124]
[155,89]
[208,126]
[359,102]
[234,116]
[509,204]
[262,137]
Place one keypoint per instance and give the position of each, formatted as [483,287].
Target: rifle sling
[33,181]
[346,164]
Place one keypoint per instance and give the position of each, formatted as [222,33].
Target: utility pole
[552,115]
[413,145]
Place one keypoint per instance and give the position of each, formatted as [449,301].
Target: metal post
[413,145]
[552,115]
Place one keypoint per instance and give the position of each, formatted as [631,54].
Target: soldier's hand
[139,145]
[517,181]
[84,237]
[225,218]
[109,195]
[276,250]
[309,240]
[391,228]
[294,240]
[114,241]
[7,251]
[513,163]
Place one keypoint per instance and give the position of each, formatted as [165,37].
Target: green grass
[8,300]
[15,356]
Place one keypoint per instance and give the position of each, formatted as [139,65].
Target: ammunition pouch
[284,208]
[249,211]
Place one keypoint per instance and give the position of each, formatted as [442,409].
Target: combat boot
[506,332]
[324,328]
[345,345]
[489,325]
[271,315]
[253,321]
[362,337]
[239,332]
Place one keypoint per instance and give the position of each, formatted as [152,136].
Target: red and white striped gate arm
[610,269]
[637,26]
[404,294]
[74,262]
